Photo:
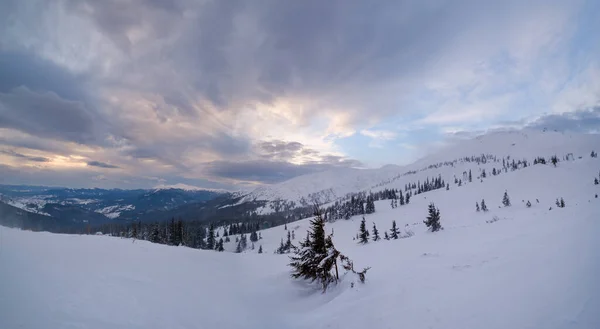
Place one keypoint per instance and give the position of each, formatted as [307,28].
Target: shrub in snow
[493,220]
[528,204]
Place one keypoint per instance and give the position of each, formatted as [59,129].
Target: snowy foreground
[532,268]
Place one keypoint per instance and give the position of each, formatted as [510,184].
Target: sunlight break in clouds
[142,93]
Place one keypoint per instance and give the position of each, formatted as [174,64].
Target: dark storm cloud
[101,165]
[24,69]
[269,172]
[23,156]
[46,115]
[261,171]
[578,121]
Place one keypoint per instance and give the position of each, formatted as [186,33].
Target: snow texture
[535,268]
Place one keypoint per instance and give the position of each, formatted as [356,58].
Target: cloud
[46,115]
[269,172]
[168,88]
[586,121]
[23,156]
[378,137]
[101,165]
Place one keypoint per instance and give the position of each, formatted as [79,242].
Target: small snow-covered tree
[394,232]
[483,205]
[554,160]
[260,250]
[363,234]
[433,218]
[316,257]
[506,199]
[375,233]
[562,203]
[477,206]
[385,235]
[220,245]
[528,204]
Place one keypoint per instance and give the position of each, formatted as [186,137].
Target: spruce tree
[477,206]
[375,233]
[155,236]
[433,219]
[363,234]
[385,235]
[596,181]
[210,240]
[288,243]
[395,233]
[260,251]
[470,178]
[220,245]
[316,256]
[528,204]
[557,203]
[506,199]
[483,205]
[562,203]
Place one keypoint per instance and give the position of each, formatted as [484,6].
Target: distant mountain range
[282,202]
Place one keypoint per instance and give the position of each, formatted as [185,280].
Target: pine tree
[363,234]
[375,233]
[528,204]
[260,251]
[470,178]
[220,245]
[554,160]
[596,181]
[407,199]
[386,236]
[562,203]
[477,206]
[433,219]
[210,240]
[557,203]
[483,205]
[293,235]
[285,227]
[394,232]
[506,199]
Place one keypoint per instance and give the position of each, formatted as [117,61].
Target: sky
[235,94]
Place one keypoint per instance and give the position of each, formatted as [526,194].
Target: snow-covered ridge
[186,187]
[113,212]
[330,185]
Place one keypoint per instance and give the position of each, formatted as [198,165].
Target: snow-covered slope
[331,185]
[511,267]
